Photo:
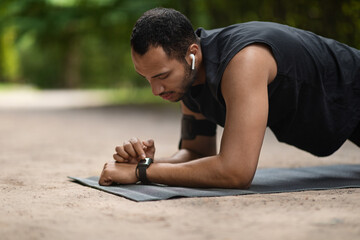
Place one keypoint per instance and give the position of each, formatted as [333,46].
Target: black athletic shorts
[355,136]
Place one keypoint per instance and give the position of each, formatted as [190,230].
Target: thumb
[149,143]
[150,148]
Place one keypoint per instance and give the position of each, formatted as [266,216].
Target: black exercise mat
[272,180]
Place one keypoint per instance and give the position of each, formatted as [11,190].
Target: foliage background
[85,43]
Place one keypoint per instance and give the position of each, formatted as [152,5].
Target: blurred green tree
[61,43]
[85,43]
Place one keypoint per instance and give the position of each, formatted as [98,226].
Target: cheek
[177,78]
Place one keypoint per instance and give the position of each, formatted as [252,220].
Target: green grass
[13,86]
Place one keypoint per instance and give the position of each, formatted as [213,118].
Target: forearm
[181,156]
[203,172]
[200,147]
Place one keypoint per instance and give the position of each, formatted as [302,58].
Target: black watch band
[141,170]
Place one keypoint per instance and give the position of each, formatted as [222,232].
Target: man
[244,77]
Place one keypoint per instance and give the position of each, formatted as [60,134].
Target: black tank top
[314,101]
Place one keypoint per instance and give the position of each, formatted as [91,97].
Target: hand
[114,172]
[134,150]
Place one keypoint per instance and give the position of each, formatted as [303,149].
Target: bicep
[244,132]
[200,144]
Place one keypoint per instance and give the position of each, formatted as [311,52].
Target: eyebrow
[158,75]
[155,76]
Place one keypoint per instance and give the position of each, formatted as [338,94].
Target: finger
[104,179]
[139,147]
[122,153]
[128,147]
[117,158]
[105,165]
[150,148]
[105,182]
[149,143]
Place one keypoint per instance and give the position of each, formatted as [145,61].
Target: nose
[156,88]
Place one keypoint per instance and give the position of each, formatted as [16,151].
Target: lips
[166,96]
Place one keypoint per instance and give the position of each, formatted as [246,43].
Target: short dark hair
[163,27]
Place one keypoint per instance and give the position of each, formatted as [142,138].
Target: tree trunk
[71,66]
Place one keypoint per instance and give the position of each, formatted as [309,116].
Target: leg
[355,136]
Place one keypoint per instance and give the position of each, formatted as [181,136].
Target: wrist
[141,170]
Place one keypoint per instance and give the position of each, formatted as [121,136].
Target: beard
[187,82]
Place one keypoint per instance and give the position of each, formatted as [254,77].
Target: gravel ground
[40,147]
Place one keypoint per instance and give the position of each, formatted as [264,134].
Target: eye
[163,76]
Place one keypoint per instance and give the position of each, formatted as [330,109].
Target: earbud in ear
[192,56]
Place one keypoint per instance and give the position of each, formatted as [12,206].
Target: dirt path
[40,148]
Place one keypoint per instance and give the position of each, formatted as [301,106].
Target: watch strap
[141,170]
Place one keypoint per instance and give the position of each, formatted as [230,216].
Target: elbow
[239,178]
[237,173]
[239,182]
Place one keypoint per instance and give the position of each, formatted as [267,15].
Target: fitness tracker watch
[140,170]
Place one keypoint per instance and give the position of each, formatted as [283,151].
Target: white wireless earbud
[192,56]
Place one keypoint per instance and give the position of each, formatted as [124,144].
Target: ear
[193,49]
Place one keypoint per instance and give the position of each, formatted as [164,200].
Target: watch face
[146,161]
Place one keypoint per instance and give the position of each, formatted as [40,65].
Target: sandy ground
[39,148]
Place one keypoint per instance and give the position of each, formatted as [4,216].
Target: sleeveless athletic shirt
[314,101]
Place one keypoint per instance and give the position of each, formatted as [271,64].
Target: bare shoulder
[255,52]
[255,59]
[252,68]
